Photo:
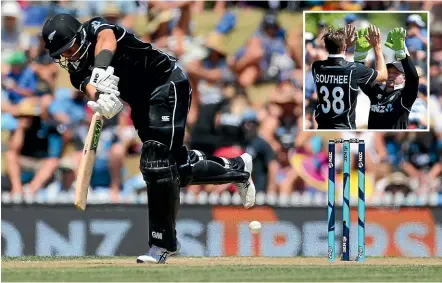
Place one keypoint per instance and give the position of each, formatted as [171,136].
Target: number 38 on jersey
[335,102]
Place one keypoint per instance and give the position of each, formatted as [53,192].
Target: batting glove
[362,45]
[396,42]
[108,105]
[104,81]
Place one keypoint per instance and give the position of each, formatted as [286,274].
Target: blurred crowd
[249,99]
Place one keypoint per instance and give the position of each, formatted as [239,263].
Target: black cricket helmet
[60,33]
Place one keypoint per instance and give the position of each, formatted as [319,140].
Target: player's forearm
[105,48]
[411,75]
[381,68]
[411,81]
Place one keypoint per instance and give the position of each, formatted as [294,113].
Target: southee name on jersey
[331,79]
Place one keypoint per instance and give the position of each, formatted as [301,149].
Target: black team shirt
[337,82]
[391,110]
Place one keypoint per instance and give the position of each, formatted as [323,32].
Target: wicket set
[346,199]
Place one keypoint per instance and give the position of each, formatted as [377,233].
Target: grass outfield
[219,269]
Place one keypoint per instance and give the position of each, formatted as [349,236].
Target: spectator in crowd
[34,149]
[13,38]
[113,14]
[62,6]
[264,56]
[126,11]
[418,117]
[21,81]
[43,66]
[208,76]
[416,40]
[422,160]
[229,120]
[286,176]
[265,165]
[283,110]
[8,121]
[170,27]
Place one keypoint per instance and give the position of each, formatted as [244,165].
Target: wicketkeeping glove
[362,45]
[396,42]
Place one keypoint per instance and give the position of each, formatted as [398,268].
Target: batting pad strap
[209,172]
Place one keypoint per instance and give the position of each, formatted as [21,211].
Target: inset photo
[366,71]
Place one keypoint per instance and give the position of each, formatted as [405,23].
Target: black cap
[397,65]
[59,33]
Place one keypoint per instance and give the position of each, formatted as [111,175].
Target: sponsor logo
[381,108]
[379,96]
[96,78]
[157,235]
[97,133]
[165,118]
[360,252]
[345,154]
[360,160]
[330,160]
[330,252]
[344,244]
[95,25]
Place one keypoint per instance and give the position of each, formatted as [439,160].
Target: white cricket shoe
[156,255]
[247,190]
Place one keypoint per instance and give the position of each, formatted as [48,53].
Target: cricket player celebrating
[391,103]
[159,95]
[337,80]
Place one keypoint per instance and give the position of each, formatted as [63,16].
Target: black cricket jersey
[337,82]
[140,67]
[390,110]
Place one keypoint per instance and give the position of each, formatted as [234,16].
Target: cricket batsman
[391,103]
[159,94]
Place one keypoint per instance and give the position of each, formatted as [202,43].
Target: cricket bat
[87,160]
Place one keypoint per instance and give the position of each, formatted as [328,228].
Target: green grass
[217,269]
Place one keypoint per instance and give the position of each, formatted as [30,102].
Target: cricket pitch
[264,269]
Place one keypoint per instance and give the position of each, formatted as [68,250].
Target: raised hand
[396,42]
[350,35]
[374,36]
[362,45]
